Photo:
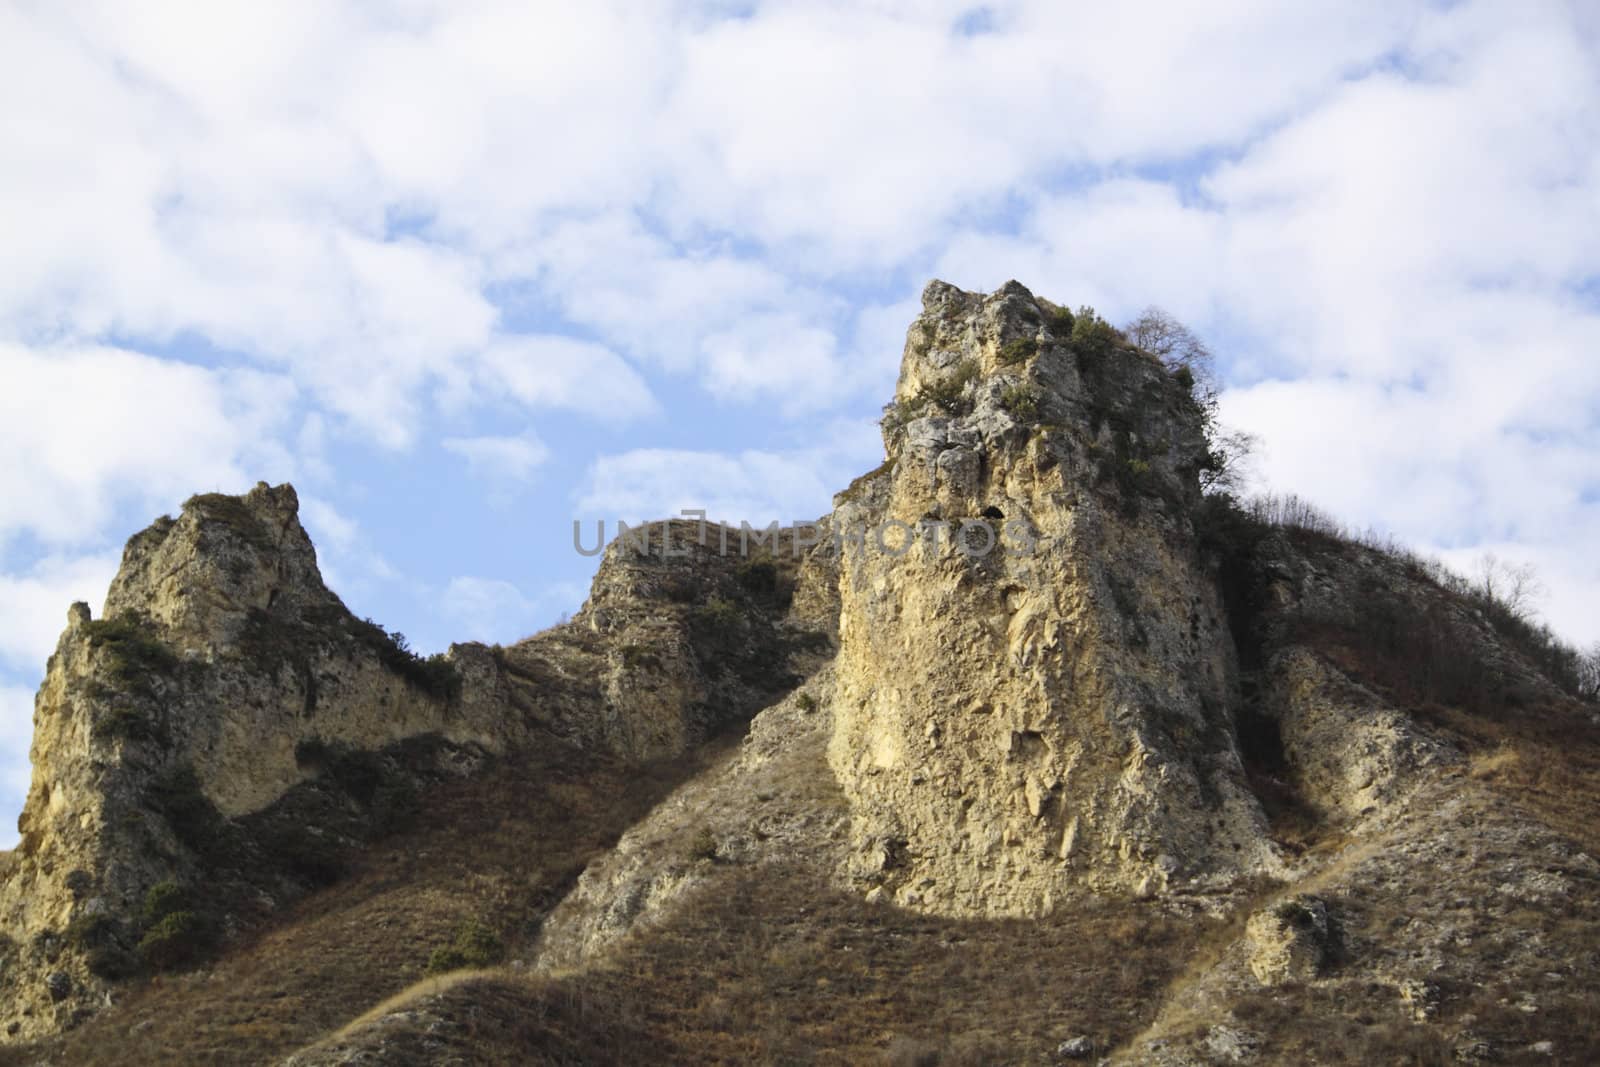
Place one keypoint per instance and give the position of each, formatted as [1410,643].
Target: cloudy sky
[465,271]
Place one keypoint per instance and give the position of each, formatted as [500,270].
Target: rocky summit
[1030,751]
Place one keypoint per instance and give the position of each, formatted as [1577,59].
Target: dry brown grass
[774,965]
[502,849]
[1544,758]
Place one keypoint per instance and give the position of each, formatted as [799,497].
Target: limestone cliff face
[1055,713]
[1021,661]
[228,726]
[222,675]
[687,629]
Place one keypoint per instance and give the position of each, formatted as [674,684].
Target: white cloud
[1395,279]
[335,190]
[88,428]
[493,610]
[755,486]
[36,603]
[509,458]
[483,606]
[350,563]
[559,372]
[327,526]
[775,355]
[863,129]
[1378,210]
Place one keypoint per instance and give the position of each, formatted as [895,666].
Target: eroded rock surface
[229,727]
[1016,725]
[1021,663]
[224,675]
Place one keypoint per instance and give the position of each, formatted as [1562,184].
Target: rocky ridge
[228,728]
[1022,670]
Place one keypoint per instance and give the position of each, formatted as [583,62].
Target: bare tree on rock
[1188,358]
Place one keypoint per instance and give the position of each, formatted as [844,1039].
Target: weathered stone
[1075,1048]
[1105,758]
[1290,941]
[226,666]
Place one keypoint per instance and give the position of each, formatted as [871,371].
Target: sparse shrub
[125,723]
[766,582]
[136,655]
[949,392]
[1589,674]
[758,576]
[474,945]
[179,938]
[161,900]
[1061,320]
[112,962]
[805,702]
[704,844]
[99,938]
[269,642]
[718,617]
[445,959]
[85,931]
[479,944]
[1022,401]
[177,795]
[1018,351]
[1179,348]
[434,675]
[680,590]
[1424,654]
[897,414]
[1092,337]
[637,657]
[1132,475]
[1293,512]
[1193,369]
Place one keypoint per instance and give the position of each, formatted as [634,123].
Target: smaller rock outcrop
[688,627]
[212,744]
[223,676]
[1290,941]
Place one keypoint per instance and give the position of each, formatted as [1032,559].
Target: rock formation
[181,741]
[1024,680]
[1054,713]
[222,675]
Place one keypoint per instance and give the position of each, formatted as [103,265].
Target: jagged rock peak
[223,681]
[201,575]
[1027,714]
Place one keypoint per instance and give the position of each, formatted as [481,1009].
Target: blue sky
[465,272]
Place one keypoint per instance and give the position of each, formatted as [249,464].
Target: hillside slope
[1135,775]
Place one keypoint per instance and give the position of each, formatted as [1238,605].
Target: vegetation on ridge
[137,656]
[1425,649]
[232,513]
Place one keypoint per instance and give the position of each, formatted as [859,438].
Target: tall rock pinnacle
[1053,713]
